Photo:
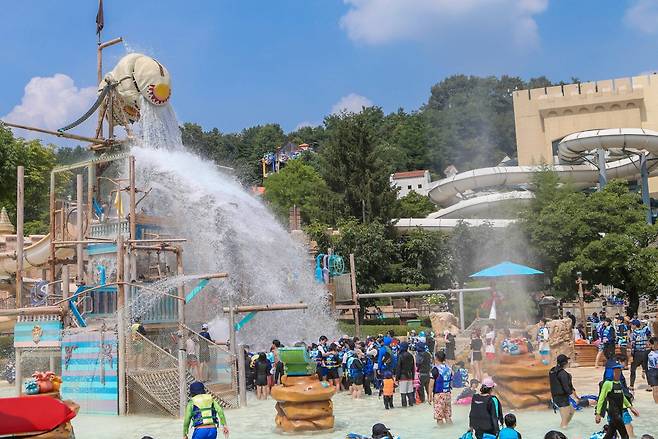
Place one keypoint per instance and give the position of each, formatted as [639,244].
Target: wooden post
[121,325]
[18,368]
[91,179]
[53,229]
[182,357]
[20,219]
[462,323]
[355,297]
[133,216]
[81,233]
[65,289]
[242,377]
[581,299]
[231,326]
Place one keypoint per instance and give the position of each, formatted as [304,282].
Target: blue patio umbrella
[506,269]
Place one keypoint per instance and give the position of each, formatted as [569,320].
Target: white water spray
[228,229]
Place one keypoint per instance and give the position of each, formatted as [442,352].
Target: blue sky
[239,63]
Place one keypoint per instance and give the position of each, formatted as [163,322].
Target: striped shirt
[640,339]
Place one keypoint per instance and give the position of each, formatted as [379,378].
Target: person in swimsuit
[476,354]
[262,369]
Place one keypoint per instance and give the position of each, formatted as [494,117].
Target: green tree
[425,258]
[38,160]
[299,185]
[354,167]
[603,235]
[372,250]
[414,205]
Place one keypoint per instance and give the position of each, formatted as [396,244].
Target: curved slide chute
[483,206]
[628,143]
[35,255]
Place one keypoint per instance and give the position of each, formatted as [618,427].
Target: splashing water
[227,229]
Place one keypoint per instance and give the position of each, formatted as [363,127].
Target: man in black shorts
[561,389]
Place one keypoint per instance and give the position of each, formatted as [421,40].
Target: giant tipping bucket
[303,402]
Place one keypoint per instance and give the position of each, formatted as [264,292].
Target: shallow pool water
[257,420]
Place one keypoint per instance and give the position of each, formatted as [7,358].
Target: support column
[53,229]
[18,367]
[20,219]
[242,377]
[79,224]
[644,174]
[231,326]
[121,325]
[355,297]
[603,179]
[91,179]
[65,292]
[462,324]
[182,355]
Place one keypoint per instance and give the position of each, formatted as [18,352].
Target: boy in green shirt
[204,413]
[612,400]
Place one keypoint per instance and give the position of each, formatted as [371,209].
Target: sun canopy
[506,269]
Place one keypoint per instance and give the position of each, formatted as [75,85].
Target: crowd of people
[412,367]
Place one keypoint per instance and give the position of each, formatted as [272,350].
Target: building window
[420,186]
[409,187]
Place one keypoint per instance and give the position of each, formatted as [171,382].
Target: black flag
[100,21]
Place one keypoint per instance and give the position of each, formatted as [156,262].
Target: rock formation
[303,404]
[442,321]
[521,381]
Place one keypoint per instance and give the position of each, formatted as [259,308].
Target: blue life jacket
[331,361]
[443,381]
[353,370]
[508,433]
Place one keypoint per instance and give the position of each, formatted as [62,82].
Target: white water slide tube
[35,255]
[574,148]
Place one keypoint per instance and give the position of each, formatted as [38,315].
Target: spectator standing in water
[639,343]
[490,343]
[652,368]
[278,365]
[405,371]
[476,354]
[486,415]
[204,352]
[441,385]
[561,389]
[204,414]
[612,401]
[543,337]
[424,365]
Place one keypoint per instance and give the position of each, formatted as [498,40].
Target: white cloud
[51,102]
[352,103]
[643,16]
[443,21]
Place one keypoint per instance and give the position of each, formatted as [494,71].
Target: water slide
[455,195]
[35,255]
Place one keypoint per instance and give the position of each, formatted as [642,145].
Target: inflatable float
[39,416]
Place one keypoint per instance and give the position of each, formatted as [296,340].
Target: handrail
[221,345]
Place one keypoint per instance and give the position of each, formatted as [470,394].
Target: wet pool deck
[257,420]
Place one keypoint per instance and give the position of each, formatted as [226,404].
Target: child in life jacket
[459,376]
[203,412]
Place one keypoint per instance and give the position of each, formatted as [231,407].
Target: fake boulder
[303,404]
[442,321]
[521,382]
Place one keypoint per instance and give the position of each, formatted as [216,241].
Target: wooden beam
[58,134]
[32,311]
[274,307]
[20,210]
[422,293]
[79,224]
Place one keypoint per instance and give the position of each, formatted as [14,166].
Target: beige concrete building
[543,116]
